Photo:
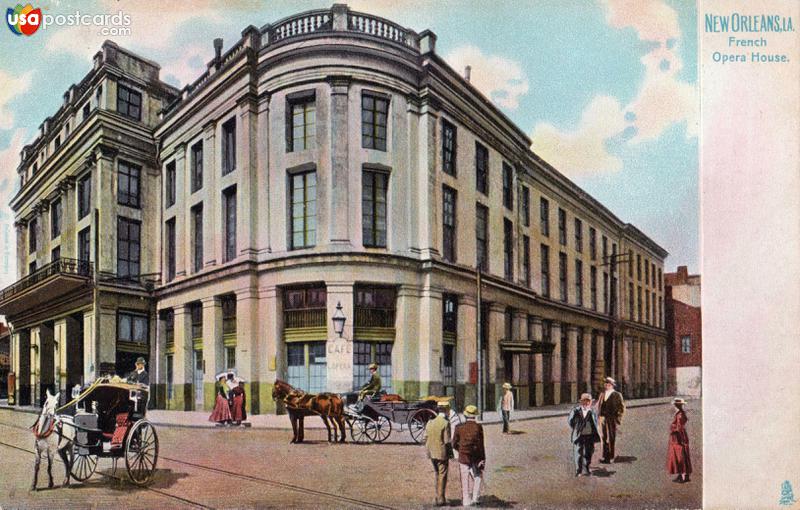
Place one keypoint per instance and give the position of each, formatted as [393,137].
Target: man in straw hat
[437,442]
[468,441]
[610,406]
[506,406]
[139,376]
[583,423]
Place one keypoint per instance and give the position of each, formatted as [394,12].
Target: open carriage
[110,422]
[373,422]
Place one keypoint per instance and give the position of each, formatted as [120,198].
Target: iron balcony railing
[304,317]
[374,317]
[62,266]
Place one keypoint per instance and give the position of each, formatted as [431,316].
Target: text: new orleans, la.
[749,23]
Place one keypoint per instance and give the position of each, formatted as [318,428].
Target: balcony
[305,324]
[46,285]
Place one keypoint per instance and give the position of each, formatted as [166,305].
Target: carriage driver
[373,386]
[139,375]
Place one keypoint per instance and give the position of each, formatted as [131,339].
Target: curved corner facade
[333,159]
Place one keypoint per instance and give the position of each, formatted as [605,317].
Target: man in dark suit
[468,441]
[610,406]
[583,422]
[139,376]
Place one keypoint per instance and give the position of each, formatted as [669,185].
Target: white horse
[52,434]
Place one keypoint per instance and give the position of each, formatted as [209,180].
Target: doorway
[47,365]
[197,379]
[74,352]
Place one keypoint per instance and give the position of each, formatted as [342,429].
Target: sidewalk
[199,419]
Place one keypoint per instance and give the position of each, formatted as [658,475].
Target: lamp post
[338,320]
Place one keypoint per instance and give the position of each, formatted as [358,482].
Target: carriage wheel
[417,422]
[455,419]
[141,452]
[359,429]
[379,429]
[82,466]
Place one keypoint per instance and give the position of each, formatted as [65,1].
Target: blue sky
[606,89]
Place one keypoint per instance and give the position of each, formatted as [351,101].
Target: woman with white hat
[222,411]
[678,459]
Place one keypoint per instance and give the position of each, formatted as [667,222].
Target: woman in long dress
[222,412]
[238,414]
[679,461]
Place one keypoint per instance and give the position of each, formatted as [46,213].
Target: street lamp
[338,320]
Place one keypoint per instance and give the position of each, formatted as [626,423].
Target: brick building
[684,332]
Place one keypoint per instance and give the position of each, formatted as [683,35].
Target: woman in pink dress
[222,412]
[679,461]
[237,411]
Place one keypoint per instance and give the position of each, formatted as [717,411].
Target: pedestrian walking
[222,412]
[237,409]
[506,406]
[440,451]
[468,441]
[610,406]
[679,461]
[583,422]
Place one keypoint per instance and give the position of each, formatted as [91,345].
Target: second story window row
[448,148]
[303,209]
[481,168]
[84,195]
[197,166]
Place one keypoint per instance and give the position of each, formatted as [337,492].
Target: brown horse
[300,404]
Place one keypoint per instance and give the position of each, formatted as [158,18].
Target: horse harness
[50,425]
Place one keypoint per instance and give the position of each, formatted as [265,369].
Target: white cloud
[583,151]
[661,101]
[12,86]
[188,65]
[9,160]
[501,79]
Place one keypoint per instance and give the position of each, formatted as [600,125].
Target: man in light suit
[439,449]
[585,433]
[610,407]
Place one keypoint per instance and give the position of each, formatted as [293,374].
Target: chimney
[217,51]
[683,274]
[467,72]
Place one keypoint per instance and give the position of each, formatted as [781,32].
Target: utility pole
[612,261]
[478,353]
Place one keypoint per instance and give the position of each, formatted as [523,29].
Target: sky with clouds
[606,89]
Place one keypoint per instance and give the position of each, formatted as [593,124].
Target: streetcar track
[265,481]
[157,491]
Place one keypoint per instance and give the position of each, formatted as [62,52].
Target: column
[555,382]
[183,230]
[636,367]
[340,349]
[572,367]
[627,372]
[270,309]
[521,361]
[246,342]
[659,374]
[587,359]
[537,333]
[104,195]
[182,361]
[60,358]
[430,342]
[89,346]
[35,378]
[467,352]
[213,351]
[247,189]
[653,366]
[494,360]
[664,371]
[340,165]
[600,368]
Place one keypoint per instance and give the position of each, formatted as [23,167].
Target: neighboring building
[87,214]
[684,332]
[5,363]
[334,158]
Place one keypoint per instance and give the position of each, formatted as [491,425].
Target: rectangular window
[128,184]
[638,267]
[652,274]
[526,206]
[605,249]
[449,223]
[196,318]
[592,243]
[578,235]
[129,102]
[229,146]
[630,263]
[659,278]
[544,216]
[606,297]
[170,241]
[302,122]
[84,195]
[374,115]
[373,207]
[169,200]
[562,226]
[170,373]
[562,276]
[229,204]
[639,304]
[56,215]
[98,95]
[448,148]
[481,169]
[365,353]
[578,282]
[197,238]
[653,309]
[306,366]
[86,110]
[686,344]
[593,287]
[303,207]
[508,186]
[646,272]
[132,327]
[630,301]
[508,249]
[32,267]
[526,260]
[55,254]
[230,358]
[482,236]
[545,269]
[647,315]
[450,313]
[84,245]
[57,143]
[197,166]
[448,365]
[33,233]
[228,304]
[128,247]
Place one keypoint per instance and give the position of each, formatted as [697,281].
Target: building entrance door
[198,380]
[74,353]
[46,362]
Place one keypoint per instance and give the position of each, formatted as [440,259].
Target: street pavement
[258,468]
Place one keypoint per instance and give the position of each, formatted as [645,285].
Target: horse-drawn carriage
[110,422]
[372,421]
